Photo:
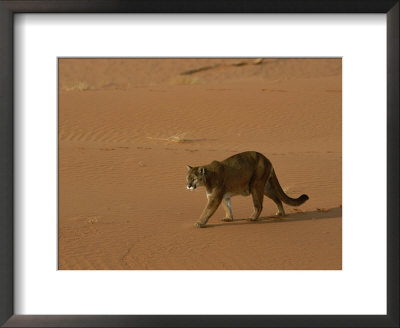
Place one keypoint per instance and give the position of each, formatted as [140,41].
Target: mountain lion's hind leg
[227,205]
[269,192]
[258,196]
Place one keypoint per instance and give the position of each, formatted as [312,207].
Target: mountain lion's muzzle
[191,187]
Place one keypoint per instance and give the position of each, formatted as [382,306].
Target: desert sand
[128,128]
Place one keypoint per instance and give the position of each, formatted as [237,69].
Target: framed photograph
[128,129]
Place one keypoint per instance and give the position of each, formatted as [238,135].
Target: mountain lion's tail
[281,194]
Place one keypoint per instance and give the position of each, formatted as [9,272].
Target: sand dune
[128,127]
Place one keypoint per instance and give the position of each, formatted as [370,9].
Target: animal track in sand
[87,219]
[177,138]
[180,138]
[145,148]
[191,150]
[107,149]
[93,219]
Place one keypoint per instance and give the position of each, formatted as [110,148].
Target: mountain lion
[241,174]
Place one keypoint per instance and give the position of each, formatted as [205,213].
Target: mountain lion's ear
[189,167]
[202,170]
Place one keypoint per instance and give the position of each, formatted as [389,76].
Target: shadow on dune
[300,216]
[198,140]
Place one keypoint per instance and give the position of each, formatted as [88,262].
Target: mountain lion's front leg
[214,199]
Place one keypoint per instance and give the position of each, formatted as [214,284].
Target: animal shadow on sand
[292,217]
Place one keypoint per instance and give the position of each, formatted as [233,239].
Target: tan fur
[248,173]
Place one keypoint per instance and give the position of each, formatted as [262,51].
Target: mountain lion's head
[196,177]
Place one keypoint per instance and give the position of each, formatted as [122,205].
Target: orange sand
[128,127]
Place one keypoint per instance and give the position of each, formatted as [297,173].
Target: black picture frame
[10,7]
